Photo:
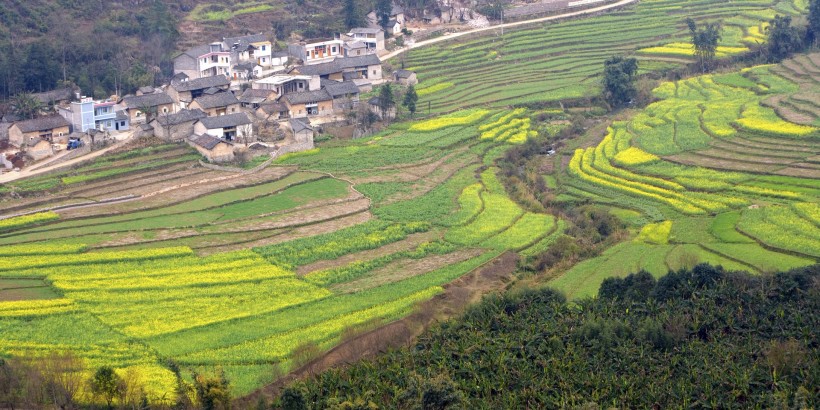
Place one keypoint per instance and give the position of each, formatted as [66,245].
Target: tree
[212,392]
[705,41]
[26,106]
[813,32]
[410,99]
[386,101]
[619,80]
[106,383]
[353,14]
[384,8]
[292,399]
[783,39]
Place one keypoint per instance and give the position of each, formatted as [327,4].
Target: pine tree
[410,100]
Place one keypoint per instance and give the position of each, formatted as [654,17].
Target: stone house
[160,104]
[345,94]
[230,127]
[302,132]
[53,129]
[376,108]
[177,126]
[184,92]
[308,103]
[220,103]
[213,148]
[405,77]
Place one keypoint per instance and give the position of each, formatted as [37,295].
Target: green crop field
[214,269]
[709,148]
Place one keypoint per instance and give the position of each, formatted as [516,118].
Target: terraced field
[557,61]
[235,270]
[163,259]
[737,184]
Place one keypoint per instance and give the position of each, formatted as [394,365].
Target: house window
[374,72]
[165,110]
[333,49]
[301,85]
[264,47]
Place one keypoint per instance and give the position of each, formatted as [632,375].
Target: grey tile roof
[403,73]
[59,94]
[222,99]
[42,123]
[205,141]
[298,125]
[340,64]
[150,100]
[180,117]
[338,89]
[307,97]
[279,54]
[196,51]
[273,108]
[253,96]
[201,83]
[225,121]
[121,116]
[146,90]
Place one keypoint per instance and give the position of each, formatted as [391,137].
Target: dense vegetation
[694,338]
[46,43]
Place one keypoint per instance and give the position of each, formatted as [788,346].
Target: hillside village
[229,95]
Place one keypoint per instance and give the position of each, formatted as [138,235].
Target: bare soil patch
[403,269]
[799,172]
[176,191]
[297,233]
[722,163]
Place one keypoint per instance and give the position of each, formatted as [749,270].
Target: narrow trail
[507,25]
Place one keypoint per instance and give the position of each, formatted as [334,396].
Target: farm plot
[709,152]
[555,61]
[276,260]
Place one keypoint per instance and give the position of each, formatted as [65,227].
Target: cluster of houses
[238,90]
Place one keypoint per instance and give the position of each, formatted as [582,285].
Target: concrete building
[204,61]
[87,114]
[317,51]
[255,48]
[287,84]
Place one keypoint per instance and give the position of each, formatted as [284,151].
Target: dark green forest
[703,338]
[101,46]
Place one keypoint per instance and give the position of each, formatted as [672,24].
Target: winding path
[507,25]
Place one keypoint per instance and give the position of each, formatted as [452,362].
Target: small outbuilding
[405,77]
[213,148]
